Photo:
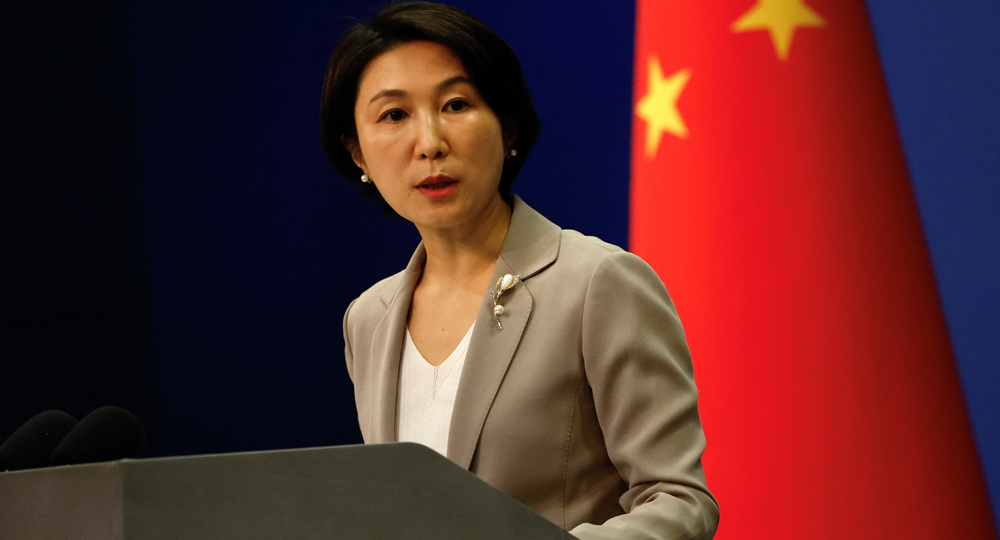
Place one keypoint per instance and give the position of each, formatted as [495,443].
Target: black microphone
[107,434]
[31,445]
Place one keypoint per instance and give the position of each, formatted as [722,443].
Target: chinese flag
[770,192]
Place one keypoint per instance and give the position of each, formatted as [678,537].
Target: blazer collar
[387,349]
[531,244]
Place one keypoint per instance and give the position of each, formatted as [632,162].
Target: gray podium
[378,491]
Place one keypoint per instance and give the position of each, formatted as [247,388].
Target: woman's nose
[431,141]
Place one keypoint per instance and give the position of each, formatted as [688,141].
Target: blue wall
[179,245]
[941,66]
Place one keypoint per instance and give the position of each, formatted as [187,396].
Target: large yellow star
[780,18]
[659,106]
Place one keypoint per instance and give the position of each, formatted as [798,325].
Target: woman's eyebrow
[441,86]
[451,81]
[392,92]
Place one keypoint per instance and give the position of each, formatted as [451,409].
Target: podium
[399,490]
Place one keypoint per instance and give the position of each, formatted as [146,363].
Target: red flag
[770,192]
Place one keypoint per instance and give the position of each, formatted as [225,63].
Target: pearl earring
[513,152]
[365,179]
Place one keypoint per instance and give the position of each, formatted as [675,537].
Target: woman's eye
[456,106]
[393,116]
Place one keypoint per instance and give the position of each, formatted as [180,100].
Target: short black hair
[490,62]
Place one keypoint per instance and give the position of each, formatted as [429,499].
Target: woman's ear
[355,150]
[509,136]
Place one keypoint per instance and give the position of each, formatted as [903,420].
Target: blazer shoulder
[590,244]
[375,300]
[583,251]
[602,264]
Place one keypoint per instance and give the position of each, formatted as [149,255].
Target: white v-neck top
[427,394]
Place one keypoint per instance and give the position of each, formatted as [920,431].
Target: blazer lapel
[532,243]
[386,347]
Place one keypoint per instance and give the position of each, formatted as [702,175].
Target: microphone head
[107,434]
[32,444]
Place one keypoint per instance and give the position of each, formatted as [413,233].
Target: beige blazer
[583,407]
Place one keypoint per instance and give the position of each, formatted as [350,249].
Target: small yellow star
[659,106]
[780,18]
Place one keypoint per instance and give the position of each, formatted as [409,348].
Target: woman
[550,364]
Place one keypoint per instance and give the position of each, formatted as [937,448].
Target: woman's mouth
[437,187]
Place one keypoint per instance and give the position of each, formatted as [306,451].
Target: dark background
[173,241]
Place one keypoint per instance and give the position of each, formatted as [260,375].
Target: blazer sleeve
[348,354]
[639,368]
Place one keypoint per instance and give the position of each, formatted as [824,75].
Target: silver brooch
[504,284]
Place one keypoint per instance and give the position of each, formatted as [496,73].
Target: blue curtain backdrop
[174,241]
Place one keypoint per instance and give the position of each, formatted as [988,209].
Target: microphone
[106,434]
[31,445]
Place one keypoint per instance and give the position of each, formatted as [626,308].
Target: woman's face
[426,138]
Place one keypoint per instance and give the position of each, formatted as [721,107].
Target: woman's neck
[464,254]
